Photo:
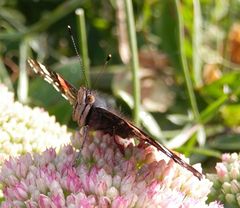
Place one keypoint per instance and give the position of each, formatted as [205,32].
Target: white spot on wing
[56,87]
[44,69]
[48,79]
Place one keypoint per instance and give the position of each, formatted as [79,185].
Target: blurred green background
[188,53]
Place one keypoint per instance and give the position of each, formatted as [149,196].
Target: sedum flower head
[24,129]
[226,181]
[101,176]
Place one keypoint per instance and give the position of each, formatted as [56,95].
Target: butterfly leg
[118,141]
[84,136]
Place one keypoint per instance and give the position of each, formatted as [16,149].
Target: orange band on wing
[64,85]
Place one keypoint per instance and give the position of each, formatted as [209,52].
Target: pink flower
[101,177]
[221,171]
[226,181]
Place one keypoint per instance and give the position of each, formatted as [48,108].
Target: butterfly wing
[67,90]
[143,136]
[111,123]
[104,120]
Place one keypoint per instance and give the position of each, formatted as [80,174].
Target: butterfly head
[85,100]
[90,99]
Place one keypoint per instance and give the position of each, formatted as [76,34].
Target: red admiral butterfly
[89,111]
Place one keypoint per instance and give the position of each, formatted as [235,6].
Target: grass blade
[134,60]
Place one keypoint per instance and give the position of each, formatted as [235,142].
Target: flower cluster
[101,175]
[24,129]
[226,182]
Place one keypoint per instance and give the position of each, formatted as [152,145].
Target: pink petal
[44,201]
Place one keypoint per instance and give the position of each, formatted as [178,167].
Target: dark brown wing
[143,136]
[102,119]
[68,91]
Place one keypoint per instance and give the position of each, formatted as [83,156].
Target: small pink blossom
[120,202]
[44,201]
[221,170]
[20,191]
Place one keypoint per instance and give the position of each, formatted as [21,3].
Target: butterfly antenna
[78,54]
[108,58]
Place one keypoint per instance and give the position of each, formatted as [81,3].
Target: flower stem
[186,71]
[83,45]
[134,60]
[197,40]
[22,90]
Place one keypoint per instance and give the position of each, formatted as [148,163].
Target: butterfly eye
[90,99]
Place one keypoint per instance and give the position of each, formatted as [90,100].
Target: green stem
[83,45]
[184,63]
[197,41]
[22,90]
[4,76]
[134,60]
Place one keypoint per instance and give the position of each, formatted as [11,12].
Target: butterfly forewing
[67,90]
[97,118]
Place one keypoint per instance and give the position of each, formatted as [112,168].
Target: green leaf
[226,143]
[215,90]
[231,114]
[211,110]
[206,151]
[183,136]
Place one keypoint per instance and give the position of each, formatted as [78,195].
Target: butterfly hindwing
[113,124]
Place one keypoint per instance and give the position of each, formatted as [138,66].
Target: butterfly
[89,110]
